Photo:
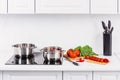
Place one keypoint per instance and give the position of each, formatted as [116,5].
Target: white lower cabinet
[77,76]
[59,75]
[0,75]
[106,75]
[16,75]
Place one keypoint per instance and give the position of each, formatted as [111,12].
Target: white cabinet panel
[104,6]
[21,6]
[32,75]
[106,75]
[3,6]
[0,75]
[77,76]
[62,6]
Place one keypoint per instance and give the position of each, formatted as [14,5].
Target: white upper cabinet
[62,6]
[103,6]
[21,6]
[59,6]
[3,6]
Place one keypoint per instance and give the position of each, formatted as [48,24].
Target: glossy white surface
[67,31]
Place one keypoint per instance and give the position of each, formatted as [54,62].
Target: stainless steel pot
[52,55]
[25,51]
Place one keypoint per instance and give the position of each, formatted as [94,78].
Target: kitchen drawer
[62,6]
[24,75]
[106,75]
[21,6]
[77,75]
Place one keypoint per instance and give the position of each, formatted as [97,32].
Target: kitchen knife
[71,60]
[111,30]
[104,26]
[109,24]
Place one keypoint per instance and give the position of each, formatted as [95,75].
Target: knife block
[107,44]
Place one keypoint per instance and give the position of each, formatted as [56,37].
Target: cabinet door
[32,75]
[0,75]
[3,6]
[77,76]
[62,6]
[104,6]
[21,6]
[106,75]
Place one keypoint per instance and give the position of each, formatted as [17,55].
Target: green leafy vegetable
[79,48]
[85,50]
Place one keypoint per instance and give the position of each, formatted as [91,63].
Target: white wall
[67,31]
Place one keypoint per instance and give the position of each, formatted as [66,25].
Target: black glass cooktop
[38,59]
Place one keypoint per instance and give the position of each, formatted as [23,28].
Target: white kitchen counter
[113,65]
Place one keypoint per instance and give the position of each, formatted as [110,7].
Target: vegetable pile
[80,54]
[85,50]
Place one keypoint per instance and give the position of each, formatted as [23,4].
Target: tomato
[81,60]
[98,59]
[93,58]
[87,57]
[105,60]
[77,52]
[101,60]
[73,54]
[69,52]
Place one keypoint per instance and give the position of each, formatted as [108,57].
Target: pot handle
[45,55]
[42,51]
[63,51]
[61,55]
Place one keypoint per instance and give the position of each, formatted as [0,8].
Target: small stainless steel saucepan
[52,55]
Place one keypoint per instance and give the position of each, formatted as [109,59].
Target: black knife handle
[109,24]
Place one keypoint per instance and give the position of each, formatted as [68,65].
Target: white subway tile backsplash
[67,31]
